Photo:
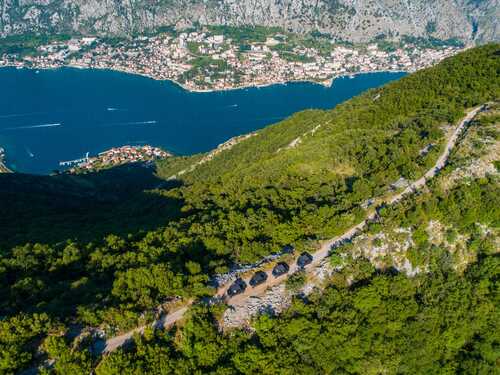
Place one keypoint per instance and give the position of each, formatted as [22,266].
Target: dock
[69,163]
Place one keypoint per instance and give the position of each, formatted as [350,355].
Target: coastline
[3,167]
[325,83]
[117,156]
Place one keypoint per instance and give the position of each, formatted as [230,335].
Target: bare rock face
[352,20]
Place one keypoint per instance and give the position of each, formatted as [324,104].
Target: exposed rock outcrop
[353,20]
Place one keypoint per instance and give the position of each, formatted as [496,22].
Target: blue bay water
[58,115]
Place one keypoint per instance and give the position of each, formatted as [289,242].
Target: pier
[69,163]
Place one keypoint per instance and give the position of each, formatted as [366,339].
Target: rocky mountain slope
[353,20]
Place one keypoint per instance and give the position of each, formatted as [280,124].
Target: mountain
[130,246]
[362,20]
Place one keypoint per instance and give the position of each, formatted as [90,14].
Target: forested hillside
[367,319]
[385,323]
[299,181]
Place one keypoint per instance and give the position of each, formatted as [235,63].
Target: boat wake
[22,114]
[150,122]
[35,126]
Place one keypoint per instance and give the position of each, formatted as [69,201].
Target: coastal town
[208,59]
[3,167]
[119,156]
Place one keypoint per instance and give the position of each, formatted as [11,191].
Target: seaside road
[324,251]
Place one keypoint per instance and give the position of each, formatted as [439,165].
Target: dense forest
[383,321]
[387,323]
[104,249]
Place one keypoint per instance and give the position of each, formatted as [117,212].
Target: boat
[31,155]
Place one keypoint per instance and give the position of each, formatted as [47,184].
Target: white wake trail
[151,122]
[22,114]
[36,126]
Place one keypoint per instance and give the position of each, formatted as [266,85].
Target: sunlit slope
[308,177]
[377,136]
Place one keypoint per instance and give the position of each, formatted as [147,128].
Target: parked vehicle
[237,287]
[304,259]
[280,269]
[258,278]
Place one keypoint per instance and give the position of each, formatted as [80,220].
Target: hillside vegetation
[303,179]
[366,320]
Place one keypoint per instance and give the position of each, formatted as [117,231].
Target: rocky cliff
[353,20]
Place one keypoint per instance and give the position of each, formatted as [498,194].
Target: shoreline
[3,166]
[328,83]
[117,156]
[4,169]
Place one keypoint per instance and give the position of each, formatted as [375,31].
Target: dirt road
[164,322]
[168,320]
[326,247]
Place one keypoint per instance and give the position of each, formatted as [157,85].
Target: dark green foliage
[82,207]
[390,324]
[296,281]
[19,338]
[67,360]
[28,43]
[245,34]
[478,201]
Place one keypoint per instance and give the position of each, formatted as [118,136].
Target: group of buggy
[260,277]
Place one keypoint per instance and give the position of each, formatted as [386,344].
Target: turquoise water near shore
[50,116]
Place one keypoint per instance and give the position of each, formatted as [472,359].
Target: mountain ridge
[355,21]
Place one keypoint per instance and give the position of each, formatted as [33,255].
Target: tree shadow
[50,209]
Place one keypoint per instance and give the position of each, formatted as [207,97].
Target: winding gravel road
[168,320]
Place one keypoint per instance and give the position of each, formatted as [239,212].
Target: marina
[70,163]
